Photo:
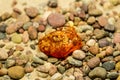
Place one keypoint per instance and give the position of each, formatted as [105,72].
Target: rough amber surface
[60,43]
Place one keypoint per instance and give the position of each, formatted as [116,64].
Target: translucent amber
[60,43]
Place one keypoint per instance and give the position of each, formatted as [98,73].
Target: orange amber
[60,43]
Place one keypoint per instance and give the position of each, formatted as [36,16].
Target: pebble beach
[23,23]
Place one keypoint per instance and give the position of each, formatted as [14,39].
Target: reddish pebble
[41,28]
[102,21]
[56,20]
[31,11]
[116,38]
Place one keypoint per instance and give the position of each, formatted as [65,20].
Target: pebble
[99,33]
[52,3]
[32,32]
[23,18]
[84,28]
[61,69]
[112,75]
[38,60]
[91,20]
[28,68]
[103,42]
[16,72]
[32,11]
[3,54]
[117,58]
[56,20]
[52,60]
[2,35]
[96,25]
[56,76]
[116,53]
[94,50]
[41,28]
[74,62]
[116,38]
[52,70]
[43,75]
[3,71]
[117,66]
[32,46]
[42,55]
[91,42]
[3,27]
[9,62]
[78,76]
[85,69]
[118,78]
[78,54]
[93,62]
[109,27]
[109,50]
[16,38]
[27,25]
[102,21]
[109,58]
[98,72]
[109,65]
[5,16]
[42,68]
[25,37]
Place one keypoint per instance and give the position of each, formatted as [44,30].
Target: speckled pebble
[112,75]
[98,72]
[110,65]
[74,62]
[16,38]
[78,54]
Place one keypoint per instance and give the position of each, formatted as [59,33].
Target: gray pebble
[99,33]
[3,27]
[42,55]
[109,65]
[78,54]
[9,63]
[27,25]
[61,69]
[98,72]
[103,42]
[38,60]
[2,35]
[112,75]
[74,62]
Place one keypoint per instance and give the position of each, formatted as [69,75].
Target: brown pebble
[109,58]
[10,52]
[91,20]
[41,28]
[23,18]
[71,16]
[19,48]
[3,71]
[117,58]
[82,14]
[116,38]
[109,50]
[21,30]
[25,37]
[96,25]
[102,21]
[42,68]
[32,32]
[56,20]
[32,11]
[28,68]
[94,50]
[5,15]
[17,10]
[93,62]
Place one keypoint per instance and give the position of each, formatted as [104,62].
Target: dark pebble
[110,27]
[32,46]
[2,45]
[3,27]
[52,3]
[2,35]
[112,75]
[110,65]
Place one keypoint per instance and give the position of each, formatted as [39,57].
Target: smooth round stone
[116,38]
[99,33]
[38,60]
[32,31]
[117,66]
[91,42]
[112,75]
[2,35]
[98,72]
[32,46]
[116,53]
[110,65]
[16,72]
[52,60]
[78,54]
[110,27]
[16,38]
[61,69]
[103,42]
[74,62]
[43,75]
[52,70]
[3,27]
[27,25]
[42,68]
[56,76]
